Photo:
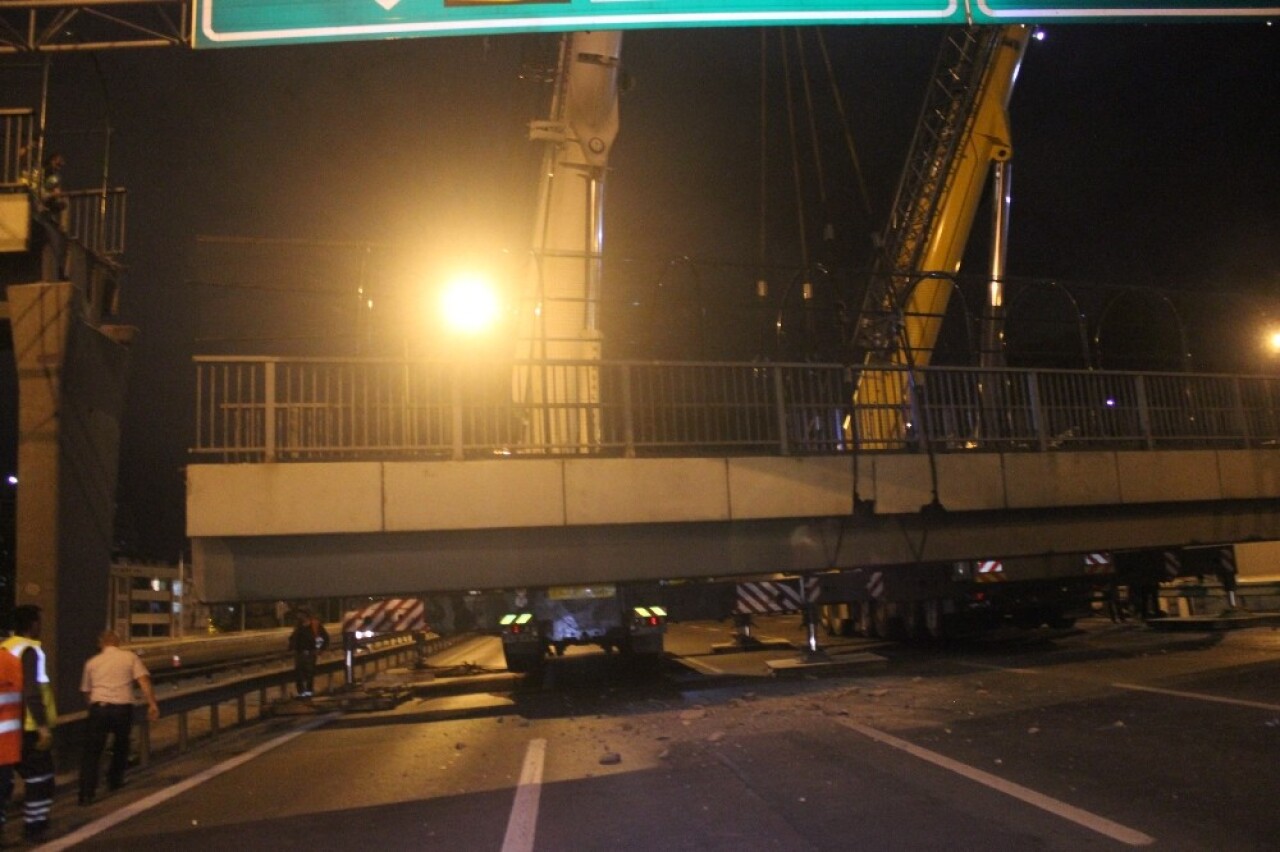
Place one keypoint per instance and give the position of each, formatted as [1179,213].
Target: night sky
[1144,156]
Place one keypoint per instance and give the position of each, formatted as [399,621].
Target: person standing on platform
[308,639]
[10,729]
[107,684]
[39,717]
[53,216]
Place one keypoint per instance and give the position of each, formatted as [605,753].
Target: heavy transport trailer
[941,599]
[624,617]
[1200,580]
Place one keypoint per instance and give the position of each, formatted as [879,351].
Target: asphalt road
[1103,738]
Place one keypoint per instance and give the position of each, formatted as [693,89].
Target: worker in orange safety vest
[10,727]
[39,717]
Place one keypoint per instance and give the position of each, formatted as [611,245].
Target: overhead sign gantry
[229,23]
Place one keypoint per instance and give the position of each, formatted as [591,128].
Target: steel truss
[48,26]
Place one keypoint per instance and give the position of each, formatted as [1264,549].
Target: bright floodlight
[470,304]
[1273,340]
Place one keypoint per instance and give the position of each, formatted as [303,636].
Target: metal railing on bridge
[96,218]
[17,137]
[300,409]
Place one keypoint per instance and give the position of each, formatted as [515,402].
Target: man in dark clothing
[308,639]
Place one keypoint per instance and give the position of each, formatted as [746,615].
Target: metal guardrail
[201,713]
[282,409]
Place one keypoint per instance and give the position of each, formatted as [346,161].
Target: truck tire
[1030,619]
[879,619]
[646,646]
[523,661]
[1058,621]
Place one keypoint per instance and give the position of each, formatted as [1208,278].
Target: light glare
[470,304]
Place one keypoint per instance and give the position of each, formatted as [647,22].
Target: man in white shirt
[107,684]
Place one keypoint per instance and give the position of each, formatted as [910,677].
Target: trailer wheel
[837,620]
[878,618]
[933,619]
[863,618]
[913,621]
[888,621]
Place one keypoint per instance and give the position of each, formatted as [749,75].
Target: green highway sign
[230,23]
[1101,11]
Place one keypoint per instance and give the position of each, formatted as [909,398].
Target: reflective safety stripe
[18,645]
[516,618]
[989,571]
[760,597]
[11,709]
[658,611]
[1098,563]
[394,614]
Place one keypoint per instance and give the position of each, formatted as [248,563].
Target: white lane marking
[989,667]
[524,811]
[131,810]
[1198,696]
[1081,817]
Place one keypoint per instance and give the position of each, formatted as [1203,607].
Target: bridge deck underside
[272,531]
[282,567]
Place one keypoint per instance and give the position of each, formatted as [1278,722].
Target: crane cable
[827,227]
[764,158]
[859,179]
[795,157]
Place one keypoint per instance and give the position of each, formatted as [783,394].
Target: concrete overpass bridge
[318,477]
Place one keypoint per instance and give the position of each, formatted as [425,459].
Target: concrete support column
[71,382]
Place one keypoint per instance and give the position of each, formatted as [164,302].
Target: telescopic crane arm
[559,313]
[962,133]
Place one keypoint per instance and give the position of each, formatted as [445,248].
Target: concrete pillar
[71,383]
